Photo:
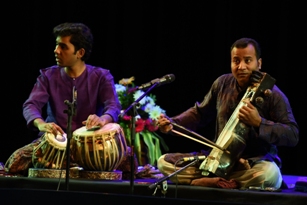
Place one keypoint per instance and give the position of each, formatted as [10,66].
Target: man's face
[65,54]
[243,62]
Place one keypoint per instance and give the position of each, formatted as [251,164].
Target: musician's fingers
[161,115]
[59,129]
[165,128]
[51,128]
[248,102]
[244,112]
[89,121]
[164,122]
[169,128]
[249,115]
[161,118]
[93,122]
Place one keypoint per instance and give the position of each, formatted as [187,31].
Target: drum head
[105,129]
[58,141]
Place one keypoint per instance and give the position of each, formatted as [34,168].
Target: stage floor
[141,191]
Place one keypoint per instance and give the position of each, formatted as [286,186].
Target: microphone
[73,104]
[185,159]
[159,81]
[74,99]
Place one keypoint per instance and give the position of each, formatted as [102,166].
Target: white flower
[155,112]
[120,88]
[148,107]
[137,95]
[150,100]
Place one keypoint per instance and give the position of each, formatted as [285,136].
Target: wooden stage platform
[17,190]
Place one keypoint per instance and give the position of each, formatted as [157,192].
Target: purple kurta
[95,95]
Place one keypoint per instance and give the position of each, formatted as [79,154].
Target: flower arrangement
[146,116]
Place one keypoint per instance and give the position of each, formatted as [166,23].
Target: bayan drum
[50,152]
[100,149]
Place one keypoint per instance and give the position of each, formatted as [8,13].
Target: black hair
[244,42]
[81,36]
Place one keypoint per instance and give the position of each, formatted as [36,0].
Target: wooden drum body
[50,152]
[99,150]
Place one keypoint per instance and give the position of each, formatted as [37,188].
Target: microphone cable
[176,184]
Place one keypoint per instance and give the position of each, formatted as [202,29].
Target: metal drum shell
[99,150]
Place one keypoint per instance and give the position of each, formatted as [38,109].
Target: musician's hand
[249,114]
[50,127]
[164,124]
[96,121]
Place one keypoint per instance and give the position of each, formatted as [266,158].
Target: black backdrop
[148,39]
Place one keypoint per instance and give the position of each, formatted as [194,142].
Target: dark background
[149,39]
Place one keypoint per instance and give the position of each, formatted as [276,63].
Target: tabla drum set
[97,152]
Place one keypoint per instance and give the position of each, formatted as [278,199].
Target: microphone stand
[134,113]
[70,112]
[161,180]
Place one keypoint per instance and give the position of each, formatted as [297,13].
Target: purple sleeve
[108,97]
[32,107]
[280,128]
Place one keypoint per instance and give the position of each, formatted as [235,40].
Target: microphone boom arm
[172,174]
[139,99]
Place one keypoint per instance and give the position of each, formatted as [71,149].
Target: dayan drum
[50,152]
[99,150]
